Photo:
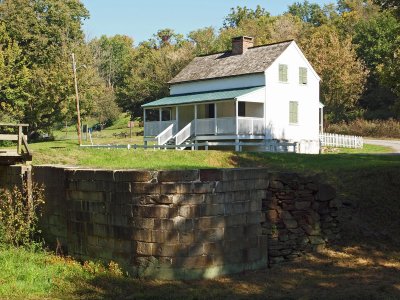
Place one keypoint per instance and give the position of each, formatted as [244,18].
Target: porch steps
[183,146]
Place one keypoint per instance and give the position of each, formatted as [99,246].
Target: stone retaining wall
[185,224]
[301,216]
[166,224]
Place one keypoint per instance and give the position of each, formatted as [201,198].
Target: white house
[248,98]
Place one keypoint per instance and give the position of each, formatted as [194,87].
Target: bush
[360,127]
[19,214]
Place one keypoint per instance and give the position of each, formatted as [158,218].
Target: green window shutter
[302,75]
[283,73]
[293,112]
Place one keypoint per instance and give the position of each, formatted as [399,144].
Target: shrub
[19,214]
[377,128]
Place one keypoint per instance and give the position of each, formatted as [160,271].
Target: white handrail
[165,135]
[185,133]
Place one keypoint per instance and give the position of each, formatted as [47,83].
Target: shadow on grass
[341,272]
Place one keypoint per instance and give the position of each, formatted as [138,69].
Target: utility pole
[78,112]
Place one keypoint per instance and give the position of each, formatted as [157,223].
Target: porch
[211,121]
[217,115]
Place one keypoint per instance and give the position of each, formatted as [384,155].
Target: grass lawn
[367,149]
[365,265]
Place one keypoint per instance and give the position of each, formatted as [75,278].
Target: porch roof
[201,97]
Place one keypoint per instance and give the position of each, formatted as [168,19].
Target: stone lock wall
[11,176]
[185,224]
[166,224]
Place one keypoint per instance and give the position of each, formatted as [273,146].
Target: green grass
[36,275]
[367,149]
[67,152]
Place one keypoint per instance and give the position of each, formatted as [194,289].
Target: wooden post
[78,125]
[19,139]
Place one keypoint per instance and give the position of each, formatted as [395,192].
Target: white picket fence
[341,141]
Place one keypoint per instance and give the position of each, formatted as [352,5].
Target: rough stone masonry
[185,224]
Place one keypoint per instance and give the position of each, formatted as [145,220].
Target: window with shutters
[283,73]
[293,112]
[302,75]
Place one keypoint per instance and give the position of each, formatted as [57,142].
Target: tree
[114,56]
[204,40]
[342,75]
[353,11]
[390,5]
[311,13]
[42,28]
[239,14]
[152,69]
[287,27]
[13,80]
[47,32]
[377,40]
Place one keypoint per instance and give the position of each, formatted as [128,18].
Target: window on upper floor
[293,112]
[302,75]
[283,73]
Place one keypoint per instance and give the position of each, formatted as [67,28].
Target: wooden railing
[20,138]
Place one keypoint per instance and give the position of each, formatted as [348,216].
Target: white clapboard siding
[341,141]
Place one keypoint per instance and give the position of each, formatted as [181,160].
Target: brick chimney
[240,44]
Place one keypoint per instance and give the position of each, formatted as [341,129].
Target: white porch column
[215,119]
[195,119]
[177,119]
[159,126]
[237,117]
[144,122]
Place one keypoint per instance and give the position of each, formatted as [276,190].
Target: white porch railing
[154,128]
[251,125]
[184,134]
[212,126]
[246,125]
[226,125]
[343,141]
[166,135]
[205,126]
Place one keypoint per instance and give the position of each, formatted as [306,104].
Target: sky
[140,19]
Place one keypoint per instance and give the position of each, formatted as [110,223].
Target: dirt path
[394,144]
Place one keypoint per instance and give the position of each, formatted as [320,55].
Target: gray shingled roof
[254,60]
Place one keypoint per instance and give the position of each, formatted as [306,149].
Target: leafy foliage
[312,13]
[345,42]
[19,214]
[343,75]
[240,14]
